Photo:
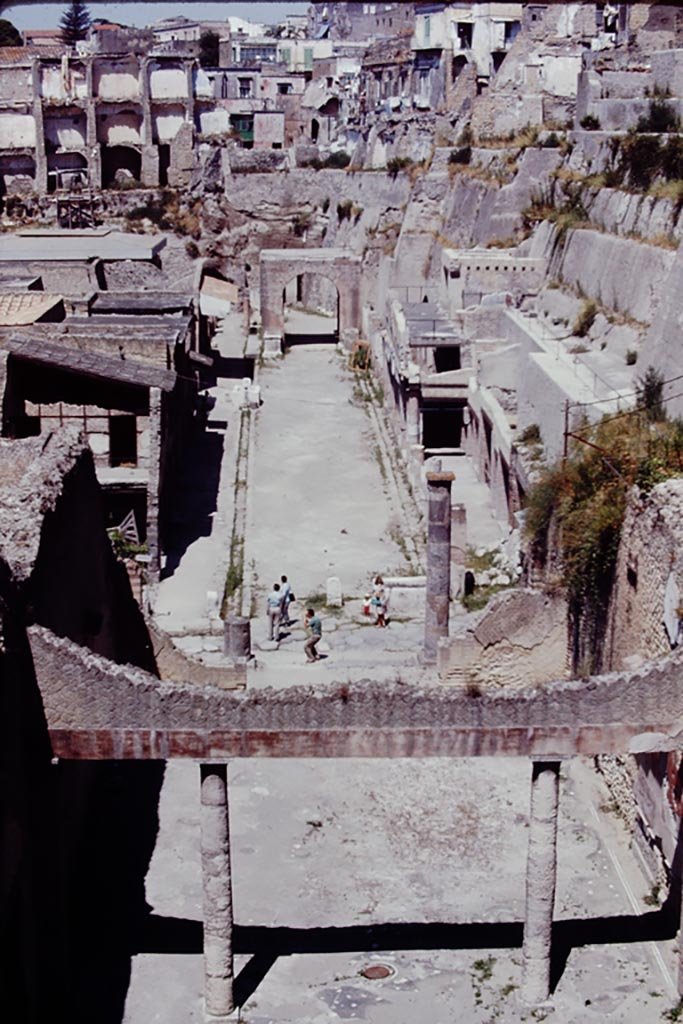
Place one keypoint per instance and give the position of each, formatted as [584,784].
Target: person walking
[274,609]
[314,629]
[287,598]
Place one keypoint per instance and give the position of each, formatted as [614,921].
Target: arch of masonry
[98,710]
[279,266]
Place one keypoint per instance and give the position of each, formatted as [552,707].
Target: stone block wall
[623,275]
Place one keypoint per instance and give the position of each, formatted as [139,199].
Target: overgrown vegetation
[578,505]
[168,213]
[566,212]
[360,357]
[333,161]
[124,548]
[661,117]
[462,155]
[585,318]
[398,163]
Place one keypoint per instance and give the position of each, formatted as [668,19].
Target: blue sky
[48,15]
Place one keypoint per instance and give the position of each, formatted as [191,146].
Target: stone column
[458,546]
[217,892]
[154,460]
[541,873]
[438,560]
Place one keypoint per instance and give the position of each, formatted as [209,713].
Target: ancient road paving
[326,851]
[317,505]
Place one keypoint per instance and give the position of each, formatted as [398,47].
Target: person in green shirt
[314,629]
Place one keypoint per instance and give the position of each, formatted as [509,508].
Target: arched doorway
[311,310]
[279,267]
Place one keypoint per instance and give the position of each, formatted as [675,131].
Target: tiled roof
[23,308]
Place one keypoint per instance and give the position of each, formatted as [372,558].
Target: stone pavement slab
[339,865]
[317,506]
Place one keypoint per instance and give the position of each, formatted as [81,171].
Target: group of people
[377,602]
[277,604]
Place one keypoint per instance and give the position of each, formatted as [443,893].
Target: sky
[48,15]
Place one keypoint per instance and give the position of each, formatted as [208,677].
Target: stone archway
[279,266]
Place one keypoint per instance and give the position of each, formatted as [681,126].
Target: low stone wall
[97,709]
[176,666]
[519,641]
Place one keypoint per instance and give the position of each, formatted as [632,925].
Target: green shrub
[631,357]
[338,159]
[672,158]
[661,118]
[344,209]
[551,141]
[590,123]
[530,435]
[650,391]
[398,163]
[461,156]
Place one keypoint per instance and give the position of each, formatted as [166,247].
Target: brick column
[438,560]
[217,892]
[541,872]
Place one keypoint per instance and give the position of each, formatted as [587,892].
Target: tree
[650,392]
[209,49]
[9,35]
[75,23]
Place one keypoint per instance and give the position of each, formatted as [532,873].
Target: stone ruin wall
[518,641]
[645,788]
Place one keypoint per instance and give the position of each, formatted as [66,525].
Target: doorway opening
[442,425]
[447,358]
[164,162]
[311,310]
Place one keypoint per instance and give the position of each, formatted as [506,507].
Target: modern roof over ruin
[55,246]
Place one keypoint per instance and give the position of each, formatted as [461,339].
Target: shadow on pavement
[195,497]
[266,945]
[291,340]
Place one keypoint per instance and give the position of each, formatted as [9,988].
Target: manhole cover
[375,972]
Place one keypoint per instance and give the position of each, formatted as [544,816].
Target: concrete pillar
[189,78]
[541,874]
[458,546]
[92,144]
[413,416]
[438,560]
[217,892]
[40,180]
